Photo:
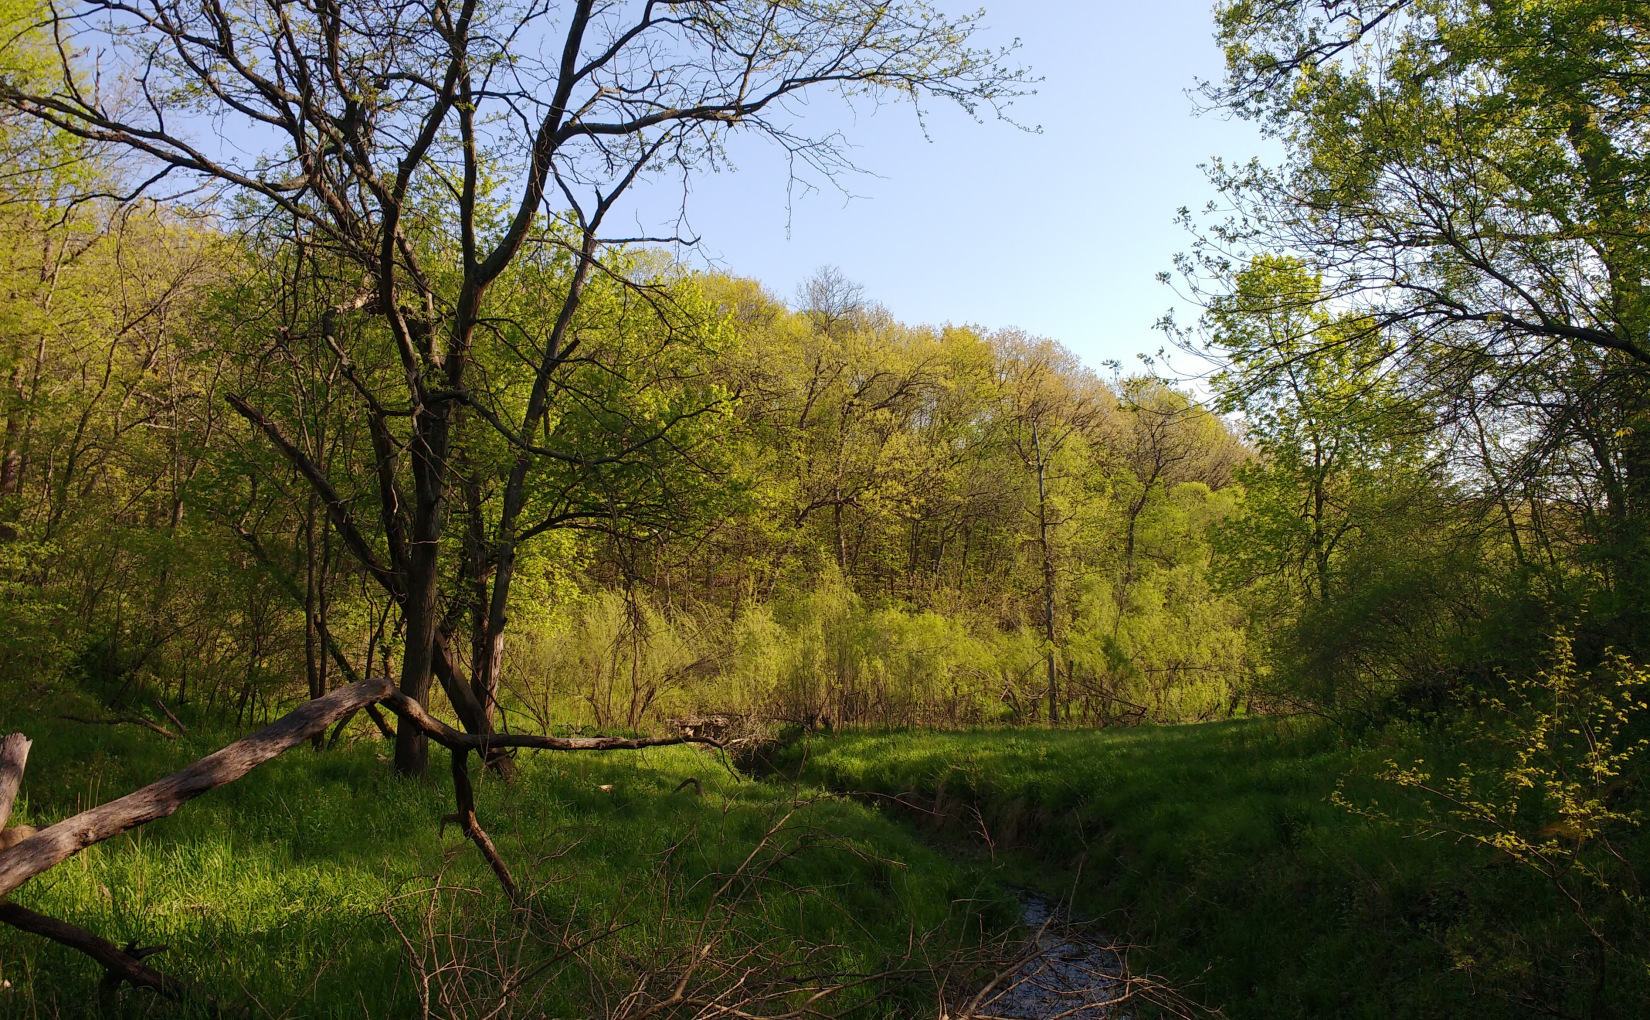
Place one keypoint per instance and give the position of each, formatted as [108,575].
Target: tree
[1466,178]
[1167,438]
[1051,407]
[419,151]
[1350,529]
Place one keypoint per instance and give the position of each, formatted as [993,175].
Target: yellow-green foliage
[1549,786]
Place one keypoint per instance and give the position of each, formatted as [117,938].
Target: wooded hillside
[336,401]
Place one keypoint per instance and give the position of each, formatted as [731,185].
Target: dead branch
[57,843]
[465,796]
[338,731]
[445,735]
[42,850]
[118,964]
[14,755]
[168,713]
[377,718]
[119,719]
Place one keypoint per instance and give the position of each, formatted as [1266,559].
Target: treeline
[806,512]
[930,526]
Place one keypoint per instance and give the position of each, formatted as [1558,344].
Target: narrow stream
[1066,972]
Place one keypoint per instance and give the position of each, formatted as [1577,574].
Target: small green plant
[1559,752]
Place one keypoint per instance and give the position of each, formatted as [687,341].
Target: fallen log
[44,849]
[57,843]
[118,964]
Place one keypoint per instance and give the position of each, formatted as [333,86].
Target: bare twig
[168,713]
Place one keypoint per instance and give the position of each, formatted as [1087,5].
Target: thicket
[1431,318]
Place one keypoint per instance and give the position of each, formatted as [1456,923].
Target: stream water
[1066,972]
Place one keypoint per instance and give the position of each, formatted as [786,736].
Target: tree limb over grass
[55,844]
[414,714]
[45,849]
[118,964]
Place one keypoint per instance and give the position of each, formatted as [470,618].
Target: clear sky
[1060,233]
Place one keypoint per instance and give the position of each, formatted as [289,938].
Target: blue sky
[1059,233]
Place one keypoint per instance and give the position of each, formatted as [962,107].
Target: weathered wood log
[14,755]
[414,714]
[118,964]
[56,843]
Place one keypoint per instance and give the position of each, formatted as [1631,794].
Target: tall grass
[1218,849]
[321,884]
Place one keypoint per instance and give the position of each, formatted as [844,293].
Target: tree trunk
[14,755]
[419,611]
[1048,581]
[312,657]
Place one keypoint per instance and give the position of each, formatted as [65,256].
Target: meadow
[1231,856]
[322,885]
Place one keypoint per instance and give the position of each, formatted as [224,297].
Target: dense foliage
[849,520]
[1431,318]
[383,399]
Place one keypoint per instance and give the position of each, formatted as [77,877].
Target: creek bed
[1065,972]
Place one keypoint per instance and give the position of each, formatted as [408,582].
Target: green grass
[1217,848]
[319,884]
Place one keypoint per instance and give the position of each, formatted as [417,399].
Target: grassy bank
[321,885]
[1217,848]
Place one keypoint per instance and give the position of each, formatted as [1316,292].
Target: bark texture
[14,755]
[57,843]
